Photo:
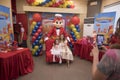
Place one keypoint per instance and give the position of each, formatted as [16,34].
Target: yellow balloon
[74,30]
[35,3]
[78,36]
[47,4]
[32,27]
[53,1]
[76,33]
[50,3]
[33,51]
[72,26]
[34,23]
[41,41]
[36,47]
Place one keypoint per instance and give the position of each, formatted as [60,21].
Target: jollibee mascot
[58,28]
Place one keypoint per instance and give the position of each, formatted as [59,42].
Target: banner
[6,31]
[104,24]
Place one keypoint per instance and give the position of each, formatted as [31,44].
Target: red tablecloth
[83,51]
[15,63]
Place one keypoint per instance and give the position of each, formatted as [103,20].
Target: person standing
[23,36]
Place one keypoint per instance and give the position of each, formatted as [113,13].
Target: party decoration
[75,20]
[52,3]
[37,17]
[36,34]
[74,28]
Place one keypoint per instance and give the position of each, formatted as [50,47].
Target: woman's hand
[95,51]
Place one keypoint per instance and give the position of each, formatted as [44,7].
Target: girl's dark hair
[63,38]
[117,34]
[55,41]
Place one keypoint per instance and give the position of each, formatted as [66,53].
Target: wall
[7,3]
[107,2]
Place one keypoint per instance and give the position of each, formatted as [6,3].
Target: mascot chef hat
[58,15]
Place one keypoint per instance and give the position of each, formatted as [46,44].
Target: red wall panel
[23,19]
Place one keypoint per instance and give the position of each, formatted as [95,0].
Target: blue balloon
[78,30]
[68,6]
[39,50]
[36,41]
[47,1]
[38,23]
[34,31]
[36,27]
[77,26]
[72,33]
[40,47]
[39,37]
[73,36]
[33,44]
[40,34]
[36,54]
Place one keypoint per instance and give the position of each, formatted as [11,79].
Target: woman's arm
[96,74]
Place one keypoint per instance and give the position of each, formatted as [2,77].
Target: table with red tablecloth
[15,63]
[83,49]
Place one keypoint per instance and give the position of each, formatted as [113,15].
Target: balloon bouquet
[52,3]
[75,28]
[36,34]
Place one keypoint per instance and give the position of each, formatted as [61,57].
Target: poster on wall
[104,24]
[6,31]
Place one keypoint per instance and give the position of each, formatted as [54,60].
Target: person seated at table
[55,51]
[109,66]
[65,51]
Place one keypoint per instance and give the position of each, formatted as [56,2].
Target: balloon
[68,6]
[39,30]
[78,30]
[39,50]
[36,34]
[50,3]
[34,23]
[36,47]
[72,33]
[41,41]
[34,31]
[40,47]
[36,27]
[72,6]
[38,23]
[77,36]
[72,26]
[33,38]
[32,27]
[75,20]
[33,44]
[36,54]
[35,3]
[76,33]
[39,37]
[36,41]
[33,51]
[77,26]
[37,17]
[74,30]
[30,1]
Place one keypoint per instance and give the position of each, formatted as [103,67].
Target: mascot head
[58,21]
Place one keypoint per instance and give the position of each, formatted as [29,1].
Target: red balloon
[37,17]
[39,30]
[30,1]
[72,6]
[33,38]
[36,34]
[75,20]
[40,27]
